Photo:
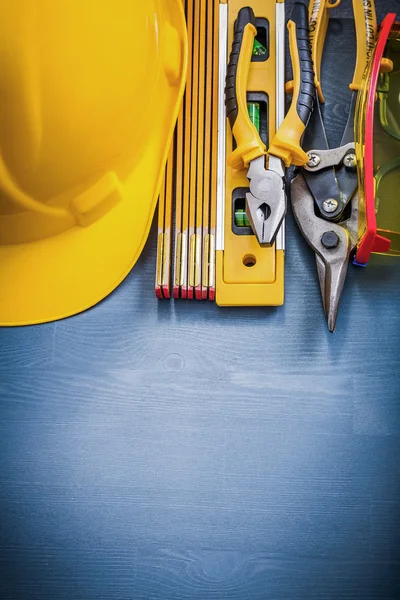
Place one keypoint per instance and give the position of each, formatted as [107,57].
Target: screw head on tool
[350,160]
[313,160]
[330,240]
[330,205]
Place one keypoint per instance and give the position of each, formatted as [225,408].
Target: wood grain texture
[179,451]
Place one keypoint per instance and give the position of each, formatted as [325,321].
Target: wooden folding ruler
[186,235]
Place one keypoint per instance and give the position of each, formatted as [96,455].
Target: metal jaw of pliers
[332,243]
[266,201]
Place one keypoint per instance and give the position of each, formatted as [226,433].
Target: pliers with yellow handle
[266,201]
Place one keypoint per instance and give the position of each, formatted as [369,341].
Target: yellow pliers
[266,201]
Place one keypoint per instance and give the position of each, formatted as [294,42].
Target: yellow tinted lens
[387,147]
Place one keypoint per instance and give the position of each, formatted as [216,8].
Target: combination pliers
[266,200]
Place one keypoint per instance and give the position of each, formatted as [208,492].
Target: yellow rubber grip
[287,141]
[248,141]
[366,31]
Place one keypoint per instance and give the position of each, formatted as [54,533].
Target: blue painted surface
[173,451]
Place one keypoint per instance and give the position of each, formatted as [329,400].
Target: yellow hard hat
[89,94]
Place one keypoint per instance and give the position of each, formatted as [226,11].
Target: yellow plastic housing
[90,95]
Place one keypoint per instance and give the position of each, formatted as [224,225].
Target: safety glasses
[378,148]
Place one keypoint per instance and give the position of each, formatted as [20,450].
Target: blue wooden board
[170,451]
